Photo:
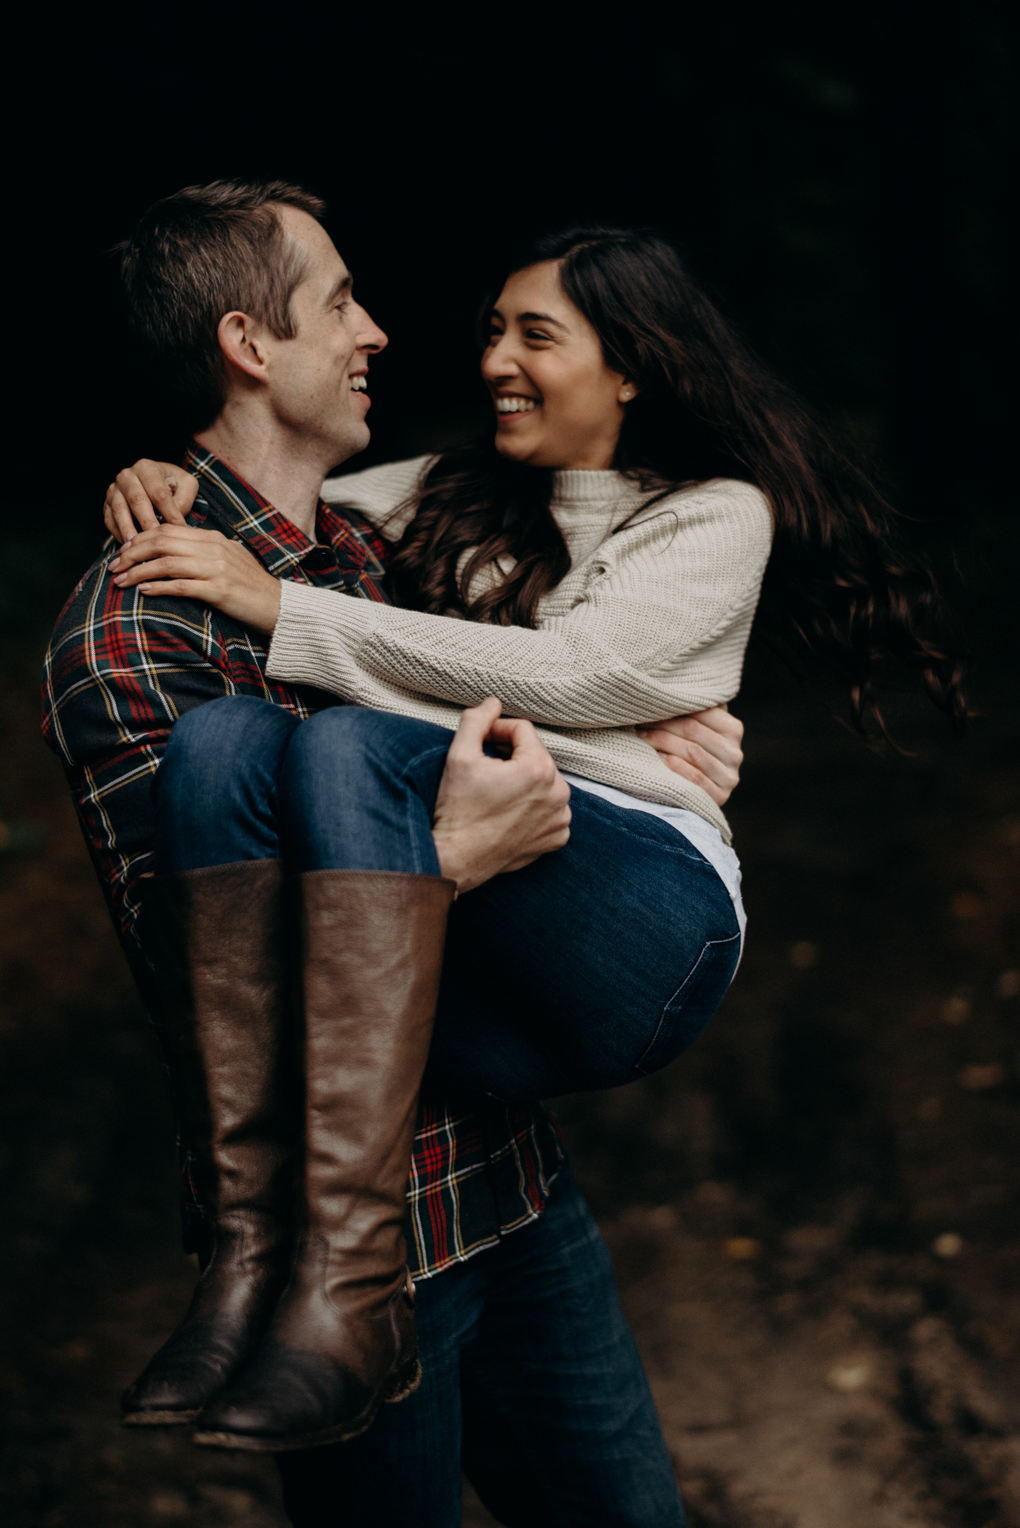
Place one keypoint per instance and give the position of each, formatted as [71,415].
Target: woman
[607,551]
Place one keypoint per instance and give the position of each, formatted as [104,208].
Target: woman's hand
[200,565]
[137,493]
[704,748]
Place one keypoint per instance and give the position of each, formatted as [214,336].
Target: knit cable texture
[649,623]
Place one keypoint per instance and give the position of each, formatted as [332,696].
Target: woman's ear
[240,341]
[627,391]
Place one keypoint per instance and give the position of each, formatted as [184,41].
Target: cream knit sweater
[647,624]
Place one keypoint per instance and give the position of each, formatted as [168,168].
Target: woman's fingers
[165,540]
[124,512]
[165,568]
[195,572]
[133,493]
[177,553]
[182,559]
[143,495]
[181,588]
[170,489]
[117,516]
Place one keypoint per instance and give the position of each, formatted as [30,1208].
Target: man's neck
[279,465]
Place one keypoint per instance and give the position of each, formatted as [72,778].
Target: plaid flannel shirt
[120,668]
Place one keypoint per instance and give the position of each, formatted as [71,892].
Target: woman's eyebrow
[542,318]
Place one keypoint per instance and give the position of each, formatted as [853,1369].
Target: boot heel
[403,1383]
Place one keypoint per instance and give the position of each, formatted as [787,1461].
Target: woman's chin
[514,447]
[515,450]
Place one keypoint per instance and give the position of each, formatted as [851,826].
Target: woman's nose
[498,360]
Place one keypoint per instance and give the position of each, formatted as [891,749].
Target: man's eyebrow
[343,285]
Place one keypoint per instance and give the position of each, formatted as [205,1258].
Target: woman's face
[557,402]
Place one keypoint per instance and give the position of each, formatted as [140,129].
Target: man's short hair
[198,255]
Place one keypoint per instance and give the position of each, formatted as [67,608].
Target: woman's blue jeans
[591,967]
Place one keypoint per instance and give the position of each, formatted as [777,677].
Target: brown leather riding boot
[217,941]
[343,1339]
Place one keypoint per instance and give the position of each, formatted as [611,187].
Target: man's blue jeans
[527,1358]
[590,967]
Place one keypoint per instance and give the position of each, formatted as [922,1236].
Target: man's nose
[370,336]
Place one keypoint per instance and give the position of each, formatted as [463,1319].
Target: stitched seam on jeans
[684,847]
[668,1007]
[426,753]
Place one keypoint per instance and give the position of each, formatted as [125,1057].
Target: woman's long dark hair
[836,587]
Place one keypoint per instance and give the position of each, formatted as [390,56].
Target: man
[245,306]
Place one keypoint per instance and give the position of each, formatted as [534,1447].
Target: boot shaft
[218,940]
[372,950]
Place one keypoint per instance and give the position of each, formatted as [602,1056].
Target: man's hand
[497,814]
[704,747]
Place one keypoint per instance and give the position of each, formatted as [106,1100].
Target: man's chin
[354,440]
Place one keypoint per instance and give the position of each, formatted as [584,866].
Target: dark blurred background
[814,1214]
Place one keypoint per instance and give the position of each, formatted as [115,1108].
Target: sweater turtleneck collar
[589,493]
[588,485]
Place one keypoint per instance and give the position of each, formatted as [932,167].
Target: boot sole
[403,1384]
[159,1418]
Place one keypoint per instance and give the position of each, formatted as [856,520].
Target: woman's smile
[557,402]
[513,406]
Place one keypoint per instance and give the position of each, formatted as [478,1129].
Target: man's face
[318,380]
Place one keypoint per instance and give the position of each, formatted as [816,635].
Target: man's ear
[240,340]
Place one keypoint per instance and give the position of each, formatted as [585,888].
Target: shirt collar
[277,542]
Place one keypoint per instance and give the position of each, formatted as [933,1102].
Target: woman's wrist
[264,610]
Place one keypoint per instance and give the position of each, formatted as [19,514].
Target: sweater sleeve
[378,491]
[659,629]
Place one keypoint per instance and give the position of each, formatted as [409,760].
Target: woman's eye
[536,334]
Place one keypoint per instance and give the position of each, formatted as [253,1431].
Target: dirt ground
[812,1215]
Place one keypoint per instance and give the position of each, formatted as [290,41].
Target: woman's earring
[628,393]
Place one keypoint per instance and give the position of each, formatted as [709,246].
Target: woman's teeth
[359,384]
[516,405]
